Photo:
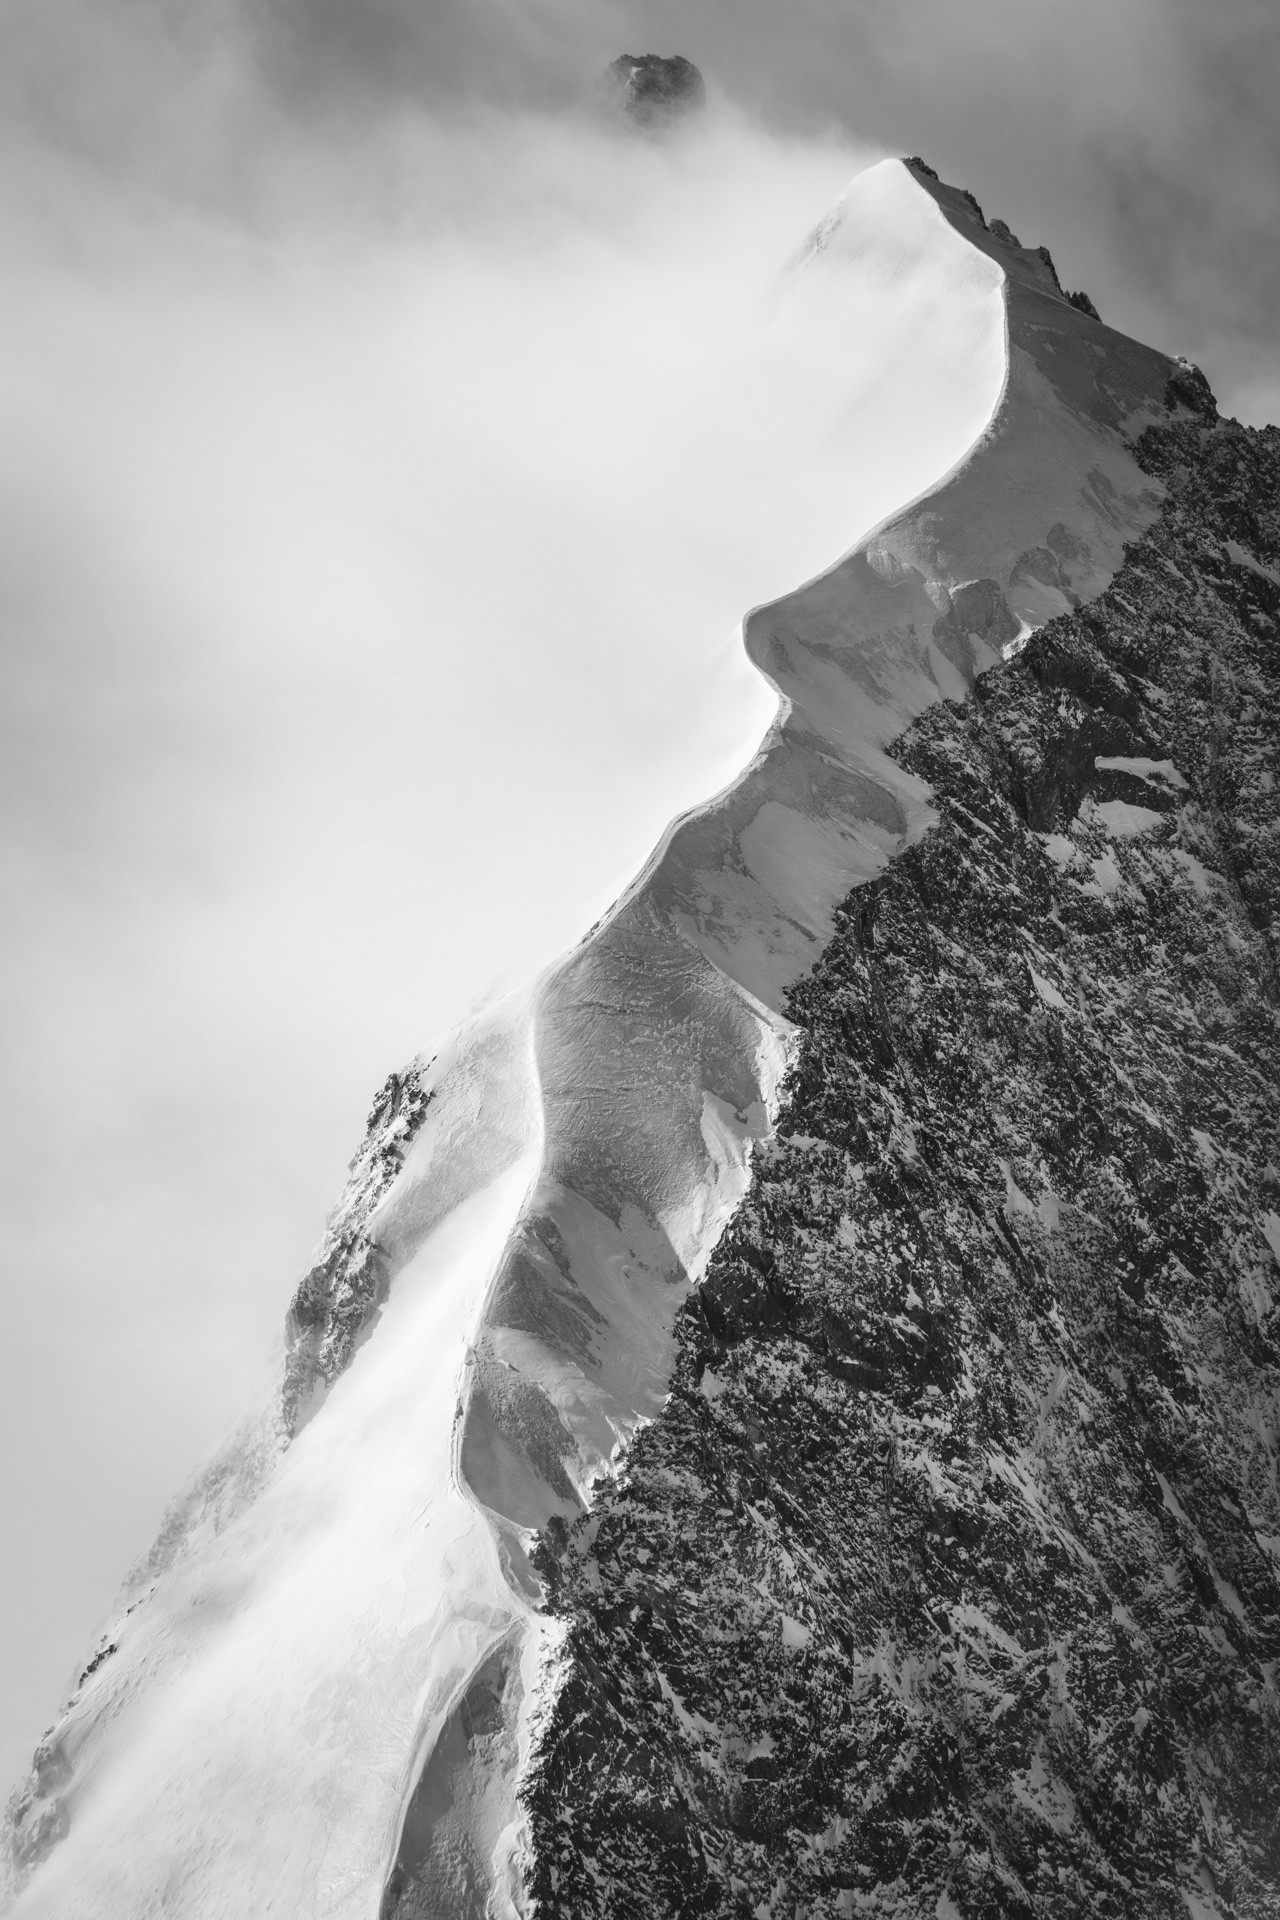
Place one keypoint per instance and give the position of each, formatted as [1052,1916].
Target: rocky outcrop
[1081,300]
[947,1582]
[338,1298]
[1001,230]
[652,91]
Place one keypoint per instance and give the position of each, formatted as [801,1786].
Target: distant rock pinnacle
[653,92]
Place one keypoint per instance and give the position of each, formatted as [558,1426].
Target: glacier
[271,1725]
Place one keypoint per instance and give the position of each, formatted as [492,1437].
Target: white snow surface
[1158,771]
[251,1745]
[285,1676]
[1122,820]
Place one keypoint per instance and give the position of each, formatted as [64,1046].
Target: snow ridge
[325,1704]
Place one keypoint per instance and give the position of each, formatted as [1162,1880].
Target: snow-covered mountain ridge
[339,1665]
[949,1580]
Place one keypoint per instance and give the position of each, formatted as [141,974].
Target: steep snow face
[1033,523]
[395,532]
[320,1698]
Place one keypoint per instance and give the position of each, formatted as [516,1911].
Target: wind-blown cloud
[382,484]
[377,498]
[1141,143]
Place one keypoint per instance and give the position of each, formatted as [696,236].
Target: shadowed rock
[654,92]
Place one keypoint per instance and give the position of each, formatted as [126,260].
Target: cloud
[1139,143]
[381,485]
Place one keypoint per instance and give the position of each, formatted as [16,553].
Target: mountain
[784,1418]
[654,91]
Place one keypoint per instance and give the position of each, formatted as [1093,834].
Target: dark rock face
[947,1582]
[654,92]
[1002,231]
[1081,301]
[338,1299]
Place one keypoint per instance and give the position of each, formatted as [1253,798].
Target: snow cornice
[501,1320]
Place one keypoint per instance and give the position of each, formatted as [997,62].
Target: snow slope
[289,1717]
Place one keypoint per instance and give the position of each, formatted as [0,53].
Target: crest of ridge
[325,1681]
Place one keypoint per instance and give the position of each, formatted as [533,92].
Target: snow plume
[380,502]
[1140,143]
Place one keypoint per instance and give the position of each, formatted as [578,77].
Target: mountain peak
[1001,231]
[783,1415]
[653,91]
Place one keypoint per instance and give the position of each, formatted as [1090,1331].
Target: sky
[388,454]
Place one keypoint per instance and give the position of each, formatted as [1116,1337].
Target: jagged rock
[1001,230]
[1189,388]
[1043,253]
[654,91]
[1084,304]
[340,1294]
[947,1583]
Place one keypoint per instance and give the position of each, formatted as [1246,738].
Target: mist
[1140,143]
[382,494]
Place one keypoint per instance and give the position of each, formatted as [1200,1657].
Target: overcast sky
[377,496]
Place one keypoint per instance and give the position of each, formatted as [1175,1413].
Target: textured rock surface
[946,1583]
[340,1293]
[652,90]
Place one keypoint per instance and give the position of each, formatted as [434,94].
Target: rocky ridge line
[946,1584]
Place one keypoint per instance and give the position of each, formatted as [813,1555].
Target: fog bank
[381,502]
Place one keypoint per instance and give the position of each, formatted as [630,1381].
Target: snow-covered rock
[995,1402]
[340,1666]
